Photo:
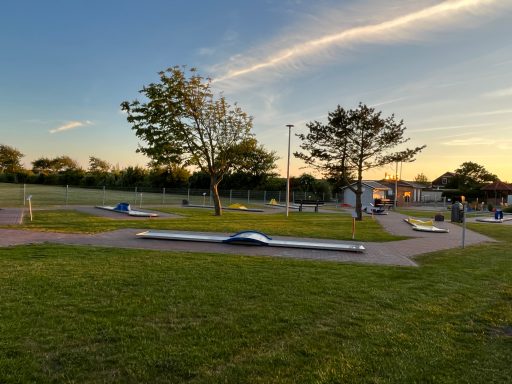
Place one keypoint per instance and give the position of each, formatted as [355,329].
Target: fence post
[163,195]
[29,198]
[67,191]
[248,196]
[104,195]
[188,195]
[279,199]
[264,197]
[135,195]
[140,201]
[230,196]
[24,193]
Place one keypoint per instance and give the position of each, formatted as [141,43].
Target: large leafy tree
[45,165]
[98,166]
[306,182]
[352,142]
[65,164]
[421,178]
[98,171]
[255,165]
[171,176]
[133,176]
[471,176]
[10,159]
[183,122]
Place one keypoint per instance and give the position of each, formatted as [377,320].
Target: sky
[443,67]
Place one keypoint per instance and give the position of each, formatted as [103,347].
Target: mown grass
[88,315]
[301,224]
[425,213]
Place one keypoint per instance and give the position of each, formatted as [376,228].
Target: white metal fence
[12,195]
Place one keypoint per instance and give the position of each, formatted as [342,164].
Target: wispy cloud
[205,51]
[451,127]
[491,113]
[70,125]
[472,141]
[387,102]
[506,92]
[503,145]
[390,30]
[506,145]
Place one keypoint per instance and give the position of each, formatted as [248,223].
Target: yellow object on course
[426,223]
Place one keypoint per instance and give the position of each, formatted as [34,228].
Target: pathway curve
[387,253]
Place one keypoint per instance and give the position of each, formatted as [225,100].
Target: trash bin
[457,212]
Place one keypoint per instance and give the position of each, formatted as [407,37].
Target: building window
[444,181]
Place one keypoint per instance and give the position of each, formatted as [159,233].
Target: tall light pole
[288,171]
[396,185]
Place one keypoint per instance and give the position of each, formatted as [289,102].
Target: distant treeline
[164,178]
[63,170]
[140,177]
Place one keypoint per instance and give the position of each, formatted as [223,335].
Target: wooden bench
[384,203]
[309,203]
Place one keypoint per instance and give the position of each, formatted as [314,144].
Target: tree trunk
[359,204]
[359,193]
[214,184]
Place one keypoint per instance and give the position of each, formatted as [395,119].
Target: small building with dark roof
[497,191]
[408,191]
[371,190]
[442,181]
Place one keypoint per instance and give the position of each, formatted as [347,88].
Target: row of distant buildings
[410,192]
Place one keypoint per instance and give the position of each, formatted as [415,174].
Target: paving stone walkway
[388,253]
[11,216]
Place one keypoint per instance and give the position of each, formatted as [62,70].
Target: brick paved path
[388,253]
[11,216]
[421,242]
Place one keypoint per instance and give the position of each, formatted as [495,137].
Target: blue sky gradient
[444,67]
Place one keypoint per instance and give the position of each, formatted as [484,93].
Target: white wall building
[371,190]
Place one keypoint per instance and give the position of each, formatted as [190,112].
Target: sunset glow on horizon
[444,67]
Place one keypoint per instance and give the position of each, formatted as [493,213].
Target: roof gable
[372,184]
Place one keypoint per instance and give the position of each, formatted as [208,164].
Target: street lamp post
[396,185]
[288,171]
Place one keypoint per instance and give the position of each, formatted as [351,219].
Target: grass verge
[303,224]
[82,314]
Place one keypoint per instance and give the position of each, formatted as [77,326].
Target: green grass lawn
[302,224]
[425,213]
[89,315]
[13,195]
